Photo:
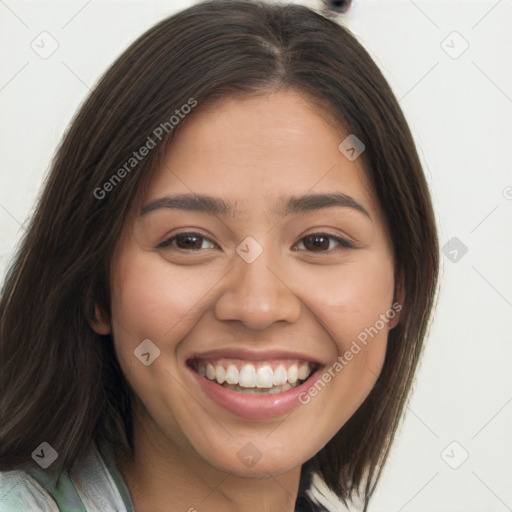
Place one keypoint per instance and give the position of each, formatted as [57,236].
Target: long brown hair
[60,382]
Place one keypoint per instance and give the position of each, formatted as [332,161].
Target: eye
[323,242]
[188,242]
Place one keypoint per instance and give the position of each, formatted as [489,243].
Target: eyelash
[345,244]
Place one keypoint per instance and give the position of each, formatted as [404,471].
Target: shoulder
[19,492]
[93,485]
[99,482]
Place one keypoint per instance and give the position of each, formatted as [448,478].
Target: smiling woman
[242,315]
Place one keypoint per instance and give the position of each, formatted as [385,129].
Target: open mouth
[254,377]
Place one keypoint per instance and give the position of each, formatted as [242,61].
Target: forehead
[259,150]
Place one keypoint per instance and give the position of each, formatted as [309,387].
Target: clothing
[94,484]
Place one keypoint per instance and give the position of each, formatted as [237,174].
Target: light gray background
[459,108]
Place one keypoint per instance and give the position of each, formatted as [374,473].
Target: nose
[257,295]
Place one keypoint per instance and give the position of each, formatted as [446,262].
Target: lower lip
[254,407]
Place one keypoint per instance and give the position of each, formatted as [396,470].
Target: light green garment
[94,484]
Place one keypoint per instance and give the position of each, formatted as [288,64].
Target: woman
[226,285]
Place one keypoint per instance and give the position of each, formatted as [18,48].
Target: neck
[163,476]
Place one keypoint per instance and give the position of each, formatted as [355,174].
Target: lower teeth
[261,391]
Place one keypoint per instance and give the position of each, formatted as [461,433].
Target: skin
[251,152]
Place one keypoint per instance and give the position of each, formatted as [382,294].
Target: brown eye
[188,242]
[316,242]
[321,242]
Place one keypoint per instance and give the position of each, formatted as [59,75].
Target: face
[260,270]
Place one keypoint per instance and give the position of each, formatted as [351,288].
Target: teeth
[264,377]
[220,374]
[210,371]
[304,371]
[275,381]
[280,376]
[293,374]
[232,374]
[247,378]
[256,391]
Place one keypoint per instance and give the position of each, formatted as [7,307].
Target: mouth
[254,377]
[252,386]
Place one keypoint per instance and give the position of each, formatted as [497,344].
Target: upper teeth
[250,376]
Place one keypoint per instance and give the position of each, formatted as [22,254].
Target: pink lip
[254,407]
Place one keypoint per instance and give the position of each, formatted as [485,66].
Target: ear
[398,301]
[100,324]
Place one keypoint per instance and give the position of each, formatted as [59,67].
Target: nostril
[337,6]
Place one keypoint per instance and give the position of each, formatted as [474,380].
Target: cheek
[152,297]
[348,301]
[154,300]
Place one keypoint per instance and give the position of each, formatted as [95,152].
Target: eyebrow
[220,207]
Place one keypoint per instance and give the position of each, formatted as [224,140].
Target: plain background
[454,450]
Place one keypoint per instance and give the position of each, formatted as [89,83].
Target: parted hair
[60,382]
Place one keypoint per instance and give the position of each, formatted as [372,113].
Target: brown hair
[60,382]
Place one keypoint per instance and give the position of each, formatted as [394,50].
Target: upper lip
[252,355]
